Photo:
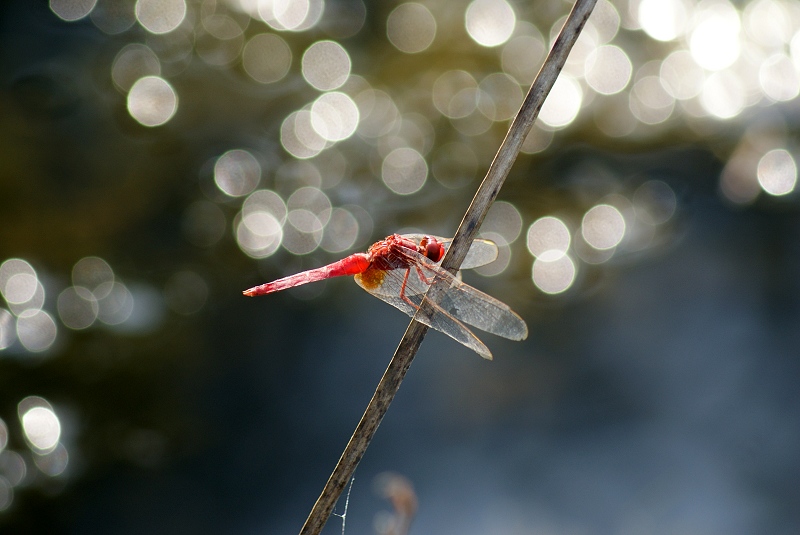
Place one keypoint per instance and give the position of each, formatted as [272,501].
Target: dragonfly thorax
[392,252]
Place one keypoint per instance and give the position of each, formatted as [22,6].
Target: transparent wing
[480,253]
[439,320]
[460,302]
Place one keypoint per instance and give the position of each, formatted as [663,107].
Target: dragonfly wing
[480,253]
[483,311]
[388,291]
[464,302]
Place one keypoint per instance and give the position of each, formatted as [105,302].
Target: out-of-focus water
[158,157]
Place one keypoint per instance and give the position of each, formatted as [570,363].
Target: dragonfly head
[431,248]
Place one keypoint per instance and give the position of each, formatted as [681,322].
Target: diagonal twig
[467,230]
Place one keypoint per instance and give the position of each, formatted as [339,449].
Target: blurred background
[158,157]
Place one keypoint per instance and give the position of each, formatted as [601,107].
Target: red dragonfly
[399,270]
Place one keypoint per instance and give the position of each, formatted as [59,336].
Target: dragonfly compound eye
[434,250]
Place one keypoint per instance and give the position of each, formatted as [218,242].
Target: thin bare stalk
[467,231]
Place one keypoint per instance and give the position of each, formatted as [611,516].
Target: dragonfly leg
[403,290]
[422,277]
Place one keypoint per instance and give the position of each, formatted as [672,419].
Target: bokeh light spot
[177,49]
[554,276]
[548,238]
[20,288]
[605,20]
[404,171]
[52,463]
[654,202]
[563,103]
[779,78]
[8,331]
[663,20]
[113,16]
[77,307]
[464,104]
[341,231]
[42,428]
[15,467]
[411,28]
[681,76]
[160,16]
[10,268]
[116,305]
[413,130]
[503,219]
[608,69]
[739,180]
[715,41]
[490,22]
[152,101]
[503,260]
[72,10]
[455,94]
[587,253]
[312,199]
[221,26]
[499,97]
[133,62]
[650,102]
[298,136]
[266,58]
[777,172]
[537,140]
[723,95]
[36,330]
[326,65]
[259,234]
[265,200]
[523,55]
[220,40]
[378,112]
[237,173]
[603,227]
[585,45]
[769,22]
[292,15]
[343,19]
[303,232]
[334,116]
[90,272]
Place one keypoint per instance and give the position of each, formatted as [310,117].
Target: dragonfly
[399,270]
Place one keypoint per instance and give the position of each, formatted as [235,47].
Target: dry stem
[467,230]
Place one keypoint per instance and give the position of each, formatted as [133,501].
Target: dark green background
[658,395]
